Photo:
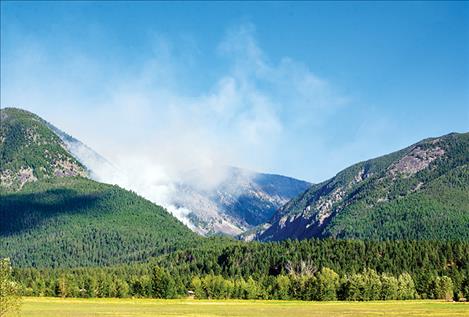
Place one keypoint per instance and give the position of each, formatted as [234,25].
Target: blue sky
[300,89]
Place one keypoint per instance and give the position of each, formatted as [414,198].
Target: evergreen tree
[89,287]
[162,283]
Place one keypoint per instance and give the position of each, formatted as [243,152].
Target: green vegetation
[421,192]
[27,142]
[9,290]
[51,216]
[306,270]
[73,221]
[57,307]
[68,236]
[439,211]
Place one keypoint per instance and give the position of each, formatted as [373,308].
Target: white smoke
[153,129]
[153,184]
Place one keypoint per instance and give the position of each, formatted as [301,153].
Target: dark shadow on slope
[19,212]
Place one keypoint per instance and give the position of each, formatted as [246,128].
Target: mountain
[220,200]
[52,214]
[31,151]
[237,200]
[420,192]
[86,156]
[232,201]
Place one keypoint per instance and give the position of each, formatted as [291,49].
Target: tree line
[304,270]
[321,285]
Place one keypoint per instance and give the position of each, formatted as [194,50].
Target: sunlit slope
[420,192]
[31,151]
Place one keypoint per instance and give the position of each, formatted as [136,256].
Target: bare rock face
[26,175]
[333,207]
[240,201]
[324,205]
[418,159]
[6,178]
[64,168]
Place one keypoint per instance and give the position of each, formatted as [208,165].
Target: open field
[48,307]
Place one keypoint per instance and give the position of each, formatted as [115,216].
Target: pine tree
[162,283]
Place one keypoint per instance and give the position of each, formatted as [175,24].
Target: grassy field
[48,307]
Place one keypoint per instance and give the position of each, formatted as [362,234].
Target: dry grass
[55,307]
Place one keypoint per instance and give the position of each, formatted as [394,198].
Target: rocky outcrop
[239,202]
[417,160]
[376,182]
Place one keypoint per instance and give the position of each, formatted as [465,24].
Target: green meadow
[55,307]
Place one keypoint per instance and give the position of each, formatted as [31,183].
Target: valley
[390,228]
[234,158]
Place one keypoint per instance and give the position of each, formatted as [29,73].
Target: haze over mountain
[419,192]
[219,200]
[51,208]
[54,215]
[216,200]
[238,201]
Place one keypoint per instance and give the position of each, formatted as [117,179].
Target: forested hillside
[68,235]
[31,151]
[420,192]
[34,149]
[53,216]
[79,222]
[306,270]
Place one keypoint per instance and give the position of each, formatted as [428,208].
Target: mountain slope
[53,216]
[240,201]
[86,156]
[237,201]
[30,151]
[420,192]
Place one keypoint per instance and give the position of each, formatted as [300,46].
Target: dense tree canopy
[75,221]
[306,270]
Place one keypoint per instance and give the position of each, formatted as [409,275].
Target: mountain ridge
[410,177]
[30,151]
[241,200]
[238,200]
[54,215]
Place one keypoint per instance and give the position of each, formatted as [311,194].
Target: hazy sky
[300,89]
